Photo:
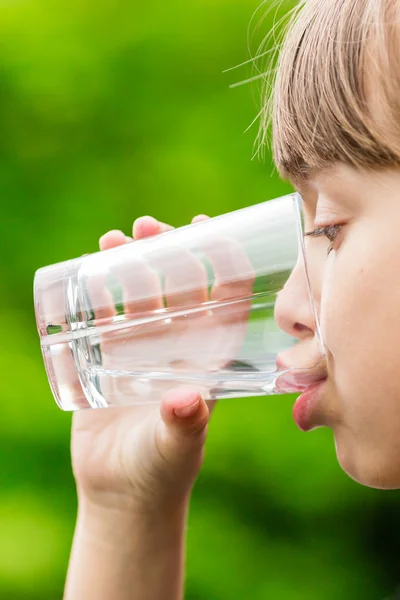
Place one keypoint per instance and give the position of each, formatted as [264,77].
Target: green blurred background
[110,110]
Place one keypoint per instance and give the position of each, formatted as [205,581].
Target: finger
[200,218]
[141,289]
[233,271]
[111,239]
[99,297]
[185,416]
[180,436]
[141,286]
[186,280]
[147,226]
[185,276]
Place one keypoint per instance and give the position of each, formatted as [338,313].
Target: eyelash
[331,232]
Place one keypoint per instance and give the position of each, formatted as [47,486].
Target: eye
[331,232]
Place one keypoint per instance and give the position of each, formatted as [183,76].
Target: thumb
[183,428]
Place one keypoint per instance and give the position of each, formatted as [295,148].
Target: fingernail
[187,411]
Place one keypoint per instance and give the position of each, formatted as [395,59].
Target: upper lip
[295,379]
[292,387]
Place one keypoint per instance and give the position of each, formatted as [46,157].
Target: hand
[145,456]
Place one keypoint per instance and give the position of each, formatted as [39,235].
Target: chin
[369,467]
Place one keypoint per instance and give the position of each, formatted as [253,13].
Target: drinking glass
[190,307]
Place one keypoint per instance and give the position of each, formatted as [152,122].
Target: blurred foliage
[110,110]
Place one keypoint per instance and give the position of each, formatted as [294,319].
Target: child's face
[357,291]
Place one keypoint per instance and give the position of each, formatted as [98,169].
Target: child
[336,122]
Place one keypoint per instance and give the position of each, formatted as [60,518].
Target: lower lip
[306,405]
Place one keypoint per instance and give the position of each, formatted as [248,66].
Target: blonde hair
[336,93]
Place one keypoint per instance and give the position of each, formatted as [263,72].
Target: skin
[357,300]
[135,471]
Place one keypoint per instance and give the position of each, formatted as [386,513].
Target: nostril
[299,328]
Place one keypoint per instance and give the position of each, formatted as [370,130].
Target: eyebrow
[301,184]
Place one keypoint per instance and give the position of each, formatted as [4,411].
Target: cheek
[360,305]
[360,323]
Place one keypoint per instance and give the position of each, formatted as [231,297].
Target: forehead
[315,178]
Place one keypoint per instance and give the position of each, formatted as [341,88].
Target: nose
[293,309]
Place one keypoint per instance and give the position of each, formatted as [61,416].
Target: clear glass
[191,307]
